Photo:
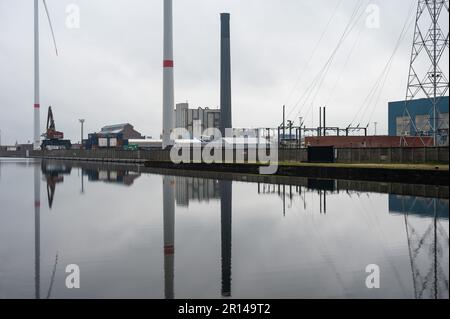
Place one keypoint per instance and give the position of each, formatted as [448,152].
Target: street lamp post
[82,128]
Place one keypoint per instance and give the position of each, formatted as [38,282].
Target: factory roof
[117,128]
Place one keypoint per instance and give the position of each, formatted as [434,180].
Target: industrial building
[415,118]
[112,136]
[369,141]
[127,130]
[410,125]
[195,120]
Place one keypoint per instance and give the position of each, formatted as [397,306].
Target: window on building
[403,126]
[443,121]
[423,124]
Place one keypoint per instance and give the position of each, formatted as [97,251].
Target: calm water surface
[140,235]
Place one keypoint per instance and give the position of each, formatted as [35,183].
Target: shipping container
[112,142]
[102,142]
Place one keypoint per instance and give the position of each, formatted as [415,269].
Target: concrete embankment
[400,155]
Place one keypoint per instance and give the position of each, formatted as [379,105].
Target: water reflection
[425,239]
[53,173]
[321,187]
[427,245]
[52,176]
[169,235]
[37,232]
[186,186]
[226,193]
[115,176]
[195,189]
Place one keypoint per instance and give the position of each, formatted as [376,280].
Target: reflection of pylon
[433,282]
[430,43]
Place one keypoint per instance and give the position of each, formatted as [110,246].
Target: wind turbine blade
[51,27]
[52,280]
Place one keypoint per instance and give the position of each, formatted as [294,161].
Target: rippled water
[135,234]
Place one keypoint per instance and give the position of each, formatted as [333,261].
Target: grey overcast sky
[110,69]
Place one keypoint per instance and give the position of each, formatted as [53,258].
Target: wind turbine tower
[37,103]
[168,81]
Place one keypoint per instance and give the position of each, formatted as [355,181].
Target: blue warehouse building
[421,112]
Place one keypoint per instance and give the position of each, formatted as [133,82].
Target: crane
[53,138]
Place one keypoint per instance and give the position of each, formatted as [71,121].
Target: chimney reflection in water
[226,191]
[169,235]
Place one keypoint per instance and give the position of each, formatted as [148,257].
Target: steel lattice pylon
[427,76]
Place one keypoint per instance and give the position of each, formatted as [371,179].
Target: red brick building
[370,141]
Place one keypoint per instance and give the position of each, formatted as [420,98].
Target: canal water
[125,233]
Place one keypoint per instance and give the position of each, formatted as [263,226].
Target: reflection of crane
[54,175]
[51,186]
[433,282]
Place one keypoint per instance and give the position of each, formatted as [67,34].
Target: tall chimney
[225,75]
[36,129]
[168,82]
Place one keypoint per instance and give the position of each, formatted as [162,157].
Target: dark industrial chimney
[225,75]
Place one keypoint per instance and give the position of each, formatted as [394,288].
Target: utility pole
[375,123]
[300,131]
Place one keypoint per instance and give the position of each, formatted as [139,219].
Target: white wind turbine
[37,105]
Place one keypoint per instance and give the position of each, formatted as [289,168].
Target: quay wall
[402,155]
